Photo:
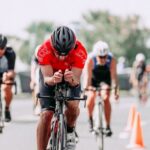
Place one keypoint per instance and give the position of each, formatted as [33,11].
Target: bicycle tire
[61,134]
[100,134]
[53,137]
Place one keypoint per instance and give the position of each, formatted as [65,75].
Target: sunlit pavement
[20,134]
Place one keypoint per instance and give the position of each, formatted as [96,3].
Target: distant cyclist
[34,83]
[61,57]
[139,77]
[101,72]
[7,73]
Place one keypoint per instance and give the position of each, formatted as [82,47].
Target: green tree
[37,33]
[123,34]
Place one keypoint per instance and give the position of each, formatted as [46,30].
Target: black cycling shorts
[44,90]
[97,83]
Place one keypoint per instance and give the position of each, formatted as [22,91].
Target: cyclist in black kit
[101,71]
[7,74]
[139,77]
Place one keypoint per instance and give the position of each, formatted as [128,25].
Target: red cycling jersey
[75,58]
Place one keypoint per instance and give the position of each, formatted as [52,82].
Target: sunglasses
[103,57]
[61,54]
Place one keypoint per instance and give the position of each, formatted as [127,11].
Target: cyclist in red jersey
[60,57]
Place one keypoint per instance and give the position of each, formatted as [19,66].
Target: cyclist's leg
[140,90]
[90,103]
[72,113]
[105,94]
[72,109]
[32,87]
[43,128]
[143,89]
[33,98]
[8,95]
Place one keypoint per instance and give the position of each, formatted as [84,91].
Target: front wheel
[99,133]
[61,134]
[53,137]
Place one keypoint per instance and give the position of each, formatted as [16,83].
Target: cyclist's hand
[116,96]
[8,77]
[89,89]
[57,77]
[68,75]
[5,77]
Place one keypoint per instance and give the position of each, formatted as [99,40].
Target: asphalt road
[20,134]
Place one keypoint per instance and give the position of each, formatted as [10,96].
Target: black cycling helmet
[63,40]
[3,41]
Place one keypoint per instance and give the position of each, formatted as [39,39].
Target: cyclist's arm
[47,72]
[76,76]
[114,78]
[88,73]
[133,79]
[8,76]
[148,68]
[34,67]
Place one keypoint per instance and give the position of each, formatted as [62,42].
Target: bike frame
[58,125]
[58,136]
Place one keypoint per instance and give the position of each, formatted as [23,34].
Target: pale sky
[15,15]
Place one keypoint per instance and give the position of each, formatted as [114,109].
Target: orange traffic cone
[131,118]
[136,140]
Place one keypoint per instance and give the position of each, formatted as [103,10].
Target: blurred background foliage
[126,36]
[37,33]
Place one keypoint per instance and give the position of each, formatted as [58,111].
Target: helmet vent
[69,36]
[64,40]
